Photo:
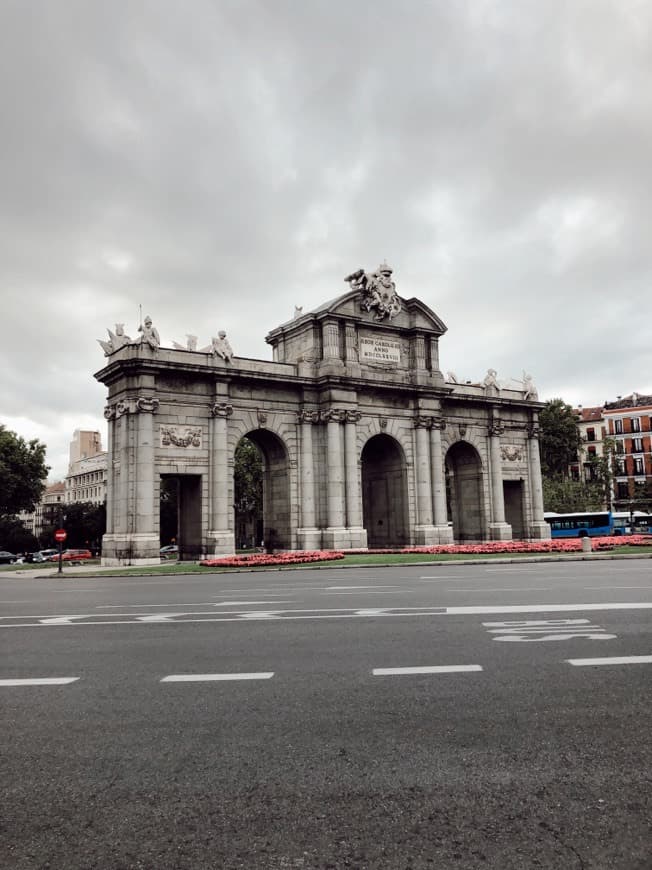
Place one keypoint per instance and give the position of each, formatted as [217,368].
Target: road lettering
[545,630]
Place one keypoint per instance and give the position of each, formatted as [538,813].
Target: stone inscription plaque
[380,350]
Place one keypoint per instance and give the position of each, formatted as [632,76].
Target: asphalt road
[525,744]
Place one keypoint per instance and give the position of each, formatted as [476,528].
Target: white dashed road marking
[40,681]
[209,678]
[428,669]
[613,660]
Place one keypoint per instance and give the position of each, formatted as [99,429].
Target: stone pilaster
[499,529]
[440,514]
[424,532]
[539,528]
[221,533]
[308,535]
[134,539]
[109,416]
[357,534]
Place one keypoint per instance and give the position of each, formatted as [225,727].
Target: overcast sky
[219,162]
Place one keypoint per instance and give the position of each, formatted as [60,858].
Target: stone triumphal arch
[364,441]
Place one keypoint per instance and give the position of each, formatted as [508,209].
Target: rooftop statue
[377,291]
[116,340]
[490,382]
[220,346]
[149,335]
[529,390]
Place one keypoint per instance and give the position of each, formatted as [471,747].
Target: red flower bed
[568,545]
[295,557]
[291,557]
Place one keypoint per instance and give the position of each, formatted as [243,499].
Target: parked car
[29,558]
[52,551]
[7,558]
[72,556]
[169,550]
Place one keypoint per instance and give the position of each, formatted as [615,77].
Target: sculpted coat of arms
[377,290]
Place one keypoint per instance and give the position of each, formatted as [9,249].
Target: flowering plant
[291,557]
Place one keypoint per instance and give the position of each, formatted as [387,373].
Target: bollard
[587,545]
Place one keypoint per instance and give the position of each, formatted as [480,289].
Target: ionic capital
[353,416]
[306,416]
[109,412]
[496,429]
[221,409]
[332,415]
[438,423]
[422,422]
[146,405]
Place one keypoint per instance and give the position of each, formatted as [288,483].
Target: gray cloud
[227,158]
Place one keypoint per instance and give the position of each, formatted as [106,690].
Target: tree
[23,473]
[15,537]
[248,489]
[85,523]
[560,440]
[563,495]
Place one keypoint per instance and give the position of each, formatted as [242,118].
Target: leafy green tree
[85,524]
[560,440]
[248,487]
[563,495]
[23,473]
[15,537]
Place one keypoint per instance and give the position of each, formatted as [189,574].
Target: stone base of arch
[539,531]
[344,539]
[221,543]
[431,536]
[130,549]
[500,531]
[309,539]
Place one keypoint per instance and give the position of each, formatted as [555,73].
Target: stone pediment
[345,331]
[414,314]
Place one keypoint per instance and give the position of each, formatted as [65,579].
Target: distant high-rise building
[86,478]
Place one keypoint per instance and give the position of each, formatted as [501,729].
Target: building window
[636,424]
[620,466]
[620,447]
[639,468]
[591,451]
[618,424]
[590,434]
[637,445]
[622,489]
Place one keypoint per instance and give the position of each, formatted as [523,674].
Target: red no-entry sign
[60,536]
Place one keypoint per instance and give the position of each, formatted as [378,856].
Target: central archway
[464,492]
[276,524]
[384,493]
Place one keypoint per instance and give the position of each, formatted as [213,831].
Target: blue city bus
[580,525]
[642,524]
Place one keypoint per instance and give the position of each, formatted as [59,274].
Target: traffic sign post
[60,536]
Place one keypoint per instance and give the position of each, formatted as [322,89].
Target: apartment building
[628,421]
[591,424]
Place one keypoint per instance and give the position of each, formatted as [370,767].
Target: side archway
[464,492]
[275,496]
[384,493]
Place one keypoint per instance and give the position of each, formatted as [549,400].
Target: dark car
[7,558]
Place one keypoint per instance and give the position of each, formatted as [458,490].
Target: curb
[316,566]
